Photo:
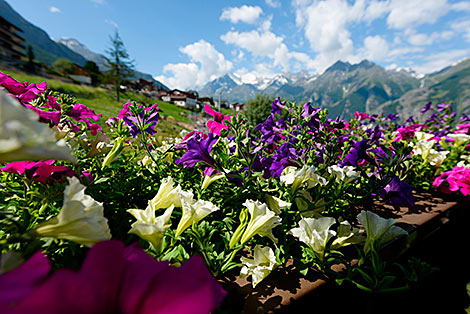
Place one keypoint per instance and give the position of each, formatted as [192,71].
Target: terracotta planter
[285,290]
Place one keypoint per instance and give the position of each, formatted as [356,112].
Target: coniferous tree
[119,64]
[31,66]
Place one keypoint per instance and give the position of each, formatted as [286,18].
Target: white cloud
[421,39]
[461,6]
[245,13]
[375,48]
[406,14]
[54,10]
[206,64]
[259,44]
[440,60]
[112,23]
[98,1]
[462,26]
[269,45]
[273,3]
[325,26]
[375,10]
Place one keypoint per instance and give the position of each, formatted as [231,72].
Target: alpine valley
[345,88]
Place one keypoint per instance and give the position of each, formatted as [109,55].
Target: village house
[182,99]
[81,75]
[236,106]
[11,44]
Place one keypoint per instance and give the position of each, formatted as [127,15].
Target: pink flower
[81,113]
[39,171]
[94,128]
[406,133]
[88,175]
[457,179]
[112,279]
[463,129]
[216,125]
[194,132]
[46,116]
[361,115]
[52,103]
[24,92]
[125,111]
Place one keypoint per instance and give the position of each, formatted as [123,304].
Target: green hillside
[103,101]
[450,84]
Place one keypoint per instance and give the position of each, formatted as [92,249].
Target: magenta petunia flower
[457,179]
[22,91]
[88,175]
[361,116]
[406,133]
[39,171]
[94,128]
[81,113]
[216,125]
[45,115]
[463,129]
[112,279]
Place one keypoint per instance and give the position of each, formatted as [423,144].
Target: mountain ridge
[344,88]
[48,50]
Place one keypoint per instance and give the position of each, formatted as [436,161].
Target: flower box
[285,288]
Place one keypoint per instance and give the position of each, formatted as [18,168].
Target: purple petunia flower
[443,106]
[464,118]
[398,192]
[426,108]
[112,279]
[271,130]
[356,154]
[198,150]
[391,117]
[277,105]
[138,118]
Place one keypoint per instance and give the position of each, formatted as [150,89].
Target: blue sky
[185,44]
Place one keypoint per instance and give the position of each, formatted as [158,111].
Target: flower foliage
[229,195]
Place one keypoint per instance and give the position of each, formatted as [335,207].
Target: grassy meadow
[103,101]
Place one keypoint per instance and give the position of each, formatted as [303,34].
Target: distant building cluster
[185,99]
[11,43]
[12,49]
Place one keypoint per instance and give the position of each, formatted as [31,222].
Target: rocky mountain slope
[345,88]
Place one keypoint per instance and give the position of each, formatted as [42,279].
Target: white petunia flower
[193,212]
[276,204]
[23,137]
[379,230]
[315,233]
[149,227]
[168,195]
[460,139]
[347,235]
[80,220]
[262,264]
[305,175]
[345,174]
[262,221]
